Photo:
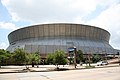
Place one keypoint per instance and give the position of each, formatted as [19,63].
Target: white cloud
[107,3]
[47,10]
[109,20]
[52,10]
[3,45]
[15,16]
[8,25]
[40,11]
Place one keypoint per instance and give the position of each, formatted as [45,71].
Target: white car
[100,63]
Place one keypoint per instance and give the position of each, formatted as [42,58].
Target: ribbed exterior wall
[46,38]
[59,30]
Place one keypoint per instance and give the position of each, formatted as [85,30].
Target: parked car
[100,63]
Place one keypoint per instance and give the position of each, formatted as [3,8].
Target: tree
[59,58]
[79,56]
[19,56]
[4,56]
[31,58]
[95,58]
[50,58]
[34,58]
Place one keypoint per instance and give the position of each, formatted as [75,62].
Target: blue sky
[15,14]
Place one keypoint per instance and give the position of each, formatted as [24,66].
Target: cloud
[107,3]
[41,11]
[3,45]
[9,26]
[52,10]
[109,20]
[48,10]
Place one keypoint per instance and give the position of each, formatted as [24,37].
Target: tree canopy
[79,56]
[57,58]
[19,56]
[4,56]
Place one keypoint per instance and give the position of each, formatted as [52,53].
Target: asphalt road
[109,73]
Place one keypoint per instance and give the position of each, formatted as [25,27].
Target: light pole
[75,52]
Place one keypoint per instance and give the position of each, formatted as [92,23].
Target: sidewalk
[41,68]
[46,68]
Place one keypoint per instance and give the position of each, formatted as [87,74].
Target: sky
[15,14]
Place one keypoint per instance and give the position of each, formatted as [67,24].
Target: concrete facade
[46,38]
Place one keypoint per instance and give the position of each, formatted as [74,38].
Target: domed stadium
[47,38]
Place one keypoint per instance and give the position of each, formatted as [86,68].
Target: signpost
[73,49]
[75,52]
